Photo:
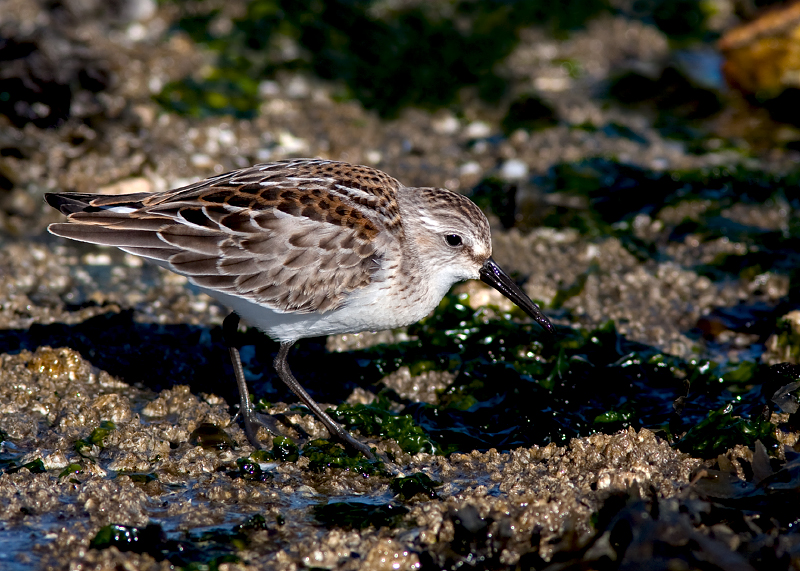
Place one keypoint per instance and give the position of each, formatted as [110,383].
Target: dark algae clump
[409,486]
[194,550]
[358,515]
[516,387]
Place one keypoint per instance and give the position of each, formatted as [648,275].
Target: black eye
[453,240]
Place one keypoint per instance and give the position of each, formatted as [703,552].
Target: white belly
[374,308]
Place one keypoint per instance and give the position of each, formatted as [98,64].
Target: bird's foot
[252,421]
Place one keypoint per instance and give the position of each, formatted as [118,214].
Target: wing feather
[105,235]
[297,236]
[157,254]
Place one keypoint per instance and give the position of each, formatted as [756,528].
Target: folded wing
[290,244]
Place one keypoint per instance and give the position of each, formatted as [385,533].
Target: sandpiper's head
[454,240]
[450,233]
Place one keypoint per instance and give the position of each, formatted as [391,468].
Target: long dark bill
[493,275]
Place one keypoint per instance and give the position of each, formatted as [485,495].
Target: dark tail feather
[68,203]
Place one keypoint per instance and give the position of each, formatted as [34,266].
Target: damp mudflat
[648,208]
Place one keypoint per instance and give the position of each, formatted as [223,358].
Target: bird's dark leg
[336,430]
[251,422]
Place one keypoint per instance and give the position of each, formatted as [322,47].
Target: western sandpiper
[302,248]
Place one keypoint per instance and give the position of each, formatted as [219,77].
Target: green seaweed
[409,486]
[84,446]
[251,471]
[518,395]
[722,430]
[73,468]
[620,416]
[284,450]
[376,420]
[34,467]
[324,454]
